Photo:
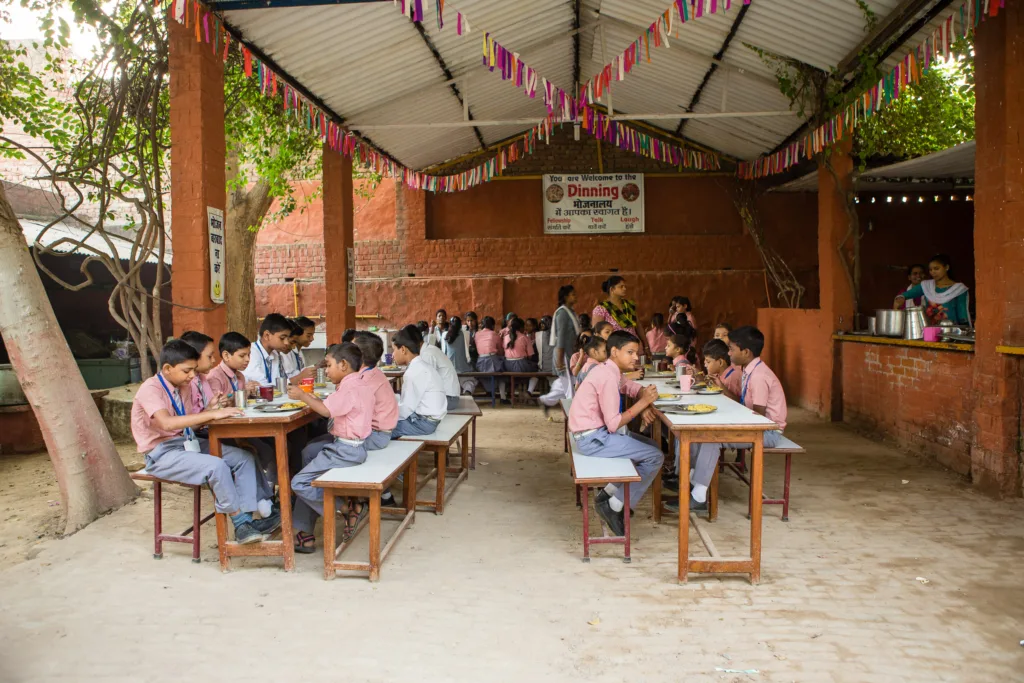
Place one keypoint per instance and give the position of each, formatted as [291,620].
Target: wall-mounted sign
[593,204]
[351,256]
[215,229]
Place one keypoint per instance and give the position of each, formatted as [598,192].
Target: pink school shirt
[596,403]
[385,405]
[764,389]
[681,360]
[149,400]
[522,348]
[487,342]
[657,340]
[351,408]
[200,393]
[731,379]
[220,378]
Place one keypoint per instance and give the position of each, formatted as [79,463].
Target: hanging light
[920,200]
[888,200]
[872,200]
[970,197]
[938,198]
[904,199]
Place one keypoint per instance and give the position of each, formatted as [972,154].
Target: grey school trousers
[309,500]
[704,456]
[232,477]
[645,454]
[375,442]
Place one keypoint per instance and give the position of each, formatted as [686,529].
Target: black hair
[581,341]
[408,337]
[297,330]
[470,314]
[515,327]
[348,335]
[725,326]
[716,349]
[684,340]
[601,324]
[177,351]
[197,340]
[422,326]
[585,321]
[371,346]
[657,320]
[536,325]
[233,342]
[305,323]
[749,338]
[944,260]
[620,339]
[910,268]
[593,344]
[444,323]
[274,323]
[347,352]
[607,285]
[488,323]
[545,323]
[681,300]
[454,330]
[563,293]
[682,326]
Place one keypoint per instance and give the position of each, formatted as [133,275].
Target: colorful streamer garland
[961,23]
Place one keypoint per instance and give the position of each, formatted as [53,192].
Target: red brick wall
[797,342]
[920,399]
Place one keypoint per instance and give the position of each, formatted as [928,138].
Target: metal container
[10,389]
[282,385]
[915,324]
[872,328]
[889,323]
[241,400]
[321,376]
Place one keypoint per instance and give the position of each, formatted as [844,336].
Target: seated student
[227,377]
[437,359]
[656,338]
[718,366]
[579,357]
[595,352]
[201,395]
[265,361]
[163,424]
[678,349]
[603,329]
[424,329]
[518,349]
[490,358]
[350,414]
[472,326]
[722,331]
[455,345]
[423,403]
[601,430]
[760,390]
[302,336]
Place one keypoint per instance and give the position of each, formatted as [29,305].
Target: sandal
[354,517]
[305,543]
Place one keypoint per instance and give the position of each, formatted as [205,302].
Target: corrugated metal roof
[33,229]
[370,65]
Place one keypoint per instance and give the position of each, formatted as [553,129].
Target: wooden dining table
[729,423]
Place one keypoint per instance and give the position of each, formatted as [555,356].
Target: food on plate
[293,405]
[668,395]
[699,408]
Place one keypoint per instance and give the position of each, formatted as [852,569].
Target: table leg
[374,536]
[656,487]
[512,390]
[625,517]
[330,521]
[785,488]
[494,390]
[197,521]
[473,466]
[284,483]
[713,495]
[222,520]
[756,485]
[684,514]
[586,519]
[465,450]
[441,456]
[409,488]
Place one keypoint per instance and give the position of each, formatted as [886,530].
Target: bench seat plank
[588,469]
[380,466]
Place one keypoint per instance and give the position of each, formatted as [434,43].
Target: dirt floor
[890,569]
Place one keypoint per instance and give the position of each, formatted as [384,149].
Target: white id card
[192,445]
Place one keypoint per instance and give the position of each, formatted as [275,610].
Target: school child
[424,329]
[266,360]
[678,349]
[227,377]
[603,329]
[531,328]
[760,390]
[437,359]
[585,322]
[455,346]
[719,367]
[545,354]
[680,310]
[491,358]
[471,327]
[163,427]
[579,358]
[303,330]
[596,352]
[350,414]
[200,394]
[422,404]
[722,331]
[439,328]
[656,339]
[601,429]
[518,348]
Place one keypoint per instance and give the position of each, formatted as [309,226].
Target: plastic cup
[307,385]
[686,383]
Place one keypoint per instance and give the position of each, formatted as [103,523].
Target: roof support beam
[451,81]
[235,5]
[715,62]
[617,117]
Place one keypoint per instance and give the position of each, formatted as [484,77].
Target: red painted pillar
[998,250]
[836,292]
[197,177]
[339,242]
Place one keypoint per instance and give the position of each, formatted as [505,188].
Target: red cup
[267,393]
[307,385]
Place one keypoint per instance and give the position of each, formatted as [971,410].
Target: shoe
[698,507]
[671,505]
[611,518]
[246,533]
[602,496]
[547,410]
[388,502]
[269,524]
[504,401]
[670,484]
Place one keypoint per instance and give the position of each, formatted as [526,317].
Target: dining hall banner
[590,204]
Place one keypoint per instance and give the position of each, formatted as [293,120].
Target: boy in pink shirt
[760,390]
[600,430]
[227,376]
[201,394]
[163,424]
[719,369]
[349,411]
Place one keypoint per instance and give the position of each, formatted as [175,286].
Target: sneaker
[504,401]
[698,507]
[670,484]
[268,524]
[388,502]
[602,496]
[547,410]
[611,518]
[246,533]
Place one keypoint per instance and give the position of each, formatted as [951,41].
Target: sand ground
[494,590]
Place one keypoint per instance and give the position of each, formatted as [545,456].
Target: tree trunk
[246,209]
[90,474]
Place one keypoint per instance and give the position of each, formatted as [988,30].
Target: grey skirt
[490,364]
[520,365]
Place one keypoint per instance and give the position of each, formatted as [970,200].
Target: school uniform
[565,330]
[597,425]
[657,340]
[589,365]
[181,456]
[436,358]
[293,363]
[517,356]
[264,366]
[458,353]
[758,387]
[351,422]
[224,380]
[731,379]
[490,357]
[423,403]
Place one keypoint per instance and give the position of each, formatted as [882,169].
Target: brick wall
[921,400]
[796,344]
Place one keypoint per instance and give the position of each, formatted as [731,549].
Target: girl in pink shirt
[490,355]
[656,339]
[597,353]
[678,349]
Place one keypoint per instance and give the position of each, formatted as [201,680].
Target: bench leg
[712,498]
[625,517]
[441,460]
[374,538]
[197,521]
[512,390]
[586,520]
[330,521]
[409,488]
[785,489]
[579,503]
[473,466]
[158,528]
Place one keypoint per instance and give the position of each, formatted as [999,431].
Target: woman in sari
[944,298]
[619,311]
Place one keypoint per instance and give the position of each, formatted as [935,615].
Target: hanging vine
[790,291]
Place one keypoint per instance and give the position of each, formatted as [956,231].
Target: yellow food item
[700,408]
[714,390]
[292,405]
[276,392]
[667,395]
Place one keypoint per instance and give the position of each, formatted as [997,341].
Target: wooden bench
[785,447]
[449,430]
[468,406]
[369,480]
[513,376]
[590,471]
[189,535]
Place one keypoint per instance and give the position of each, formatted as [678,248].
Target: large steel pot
[10,389]
[889,323]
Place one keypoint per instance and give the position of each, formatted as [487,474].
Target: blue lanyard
[745,381]
[231,378]
[299,363]
[266,363]
[178,410]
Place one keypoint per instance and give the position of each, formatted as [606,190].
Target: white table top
[446,430]
[467,406]
[729,413]
[379,466]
